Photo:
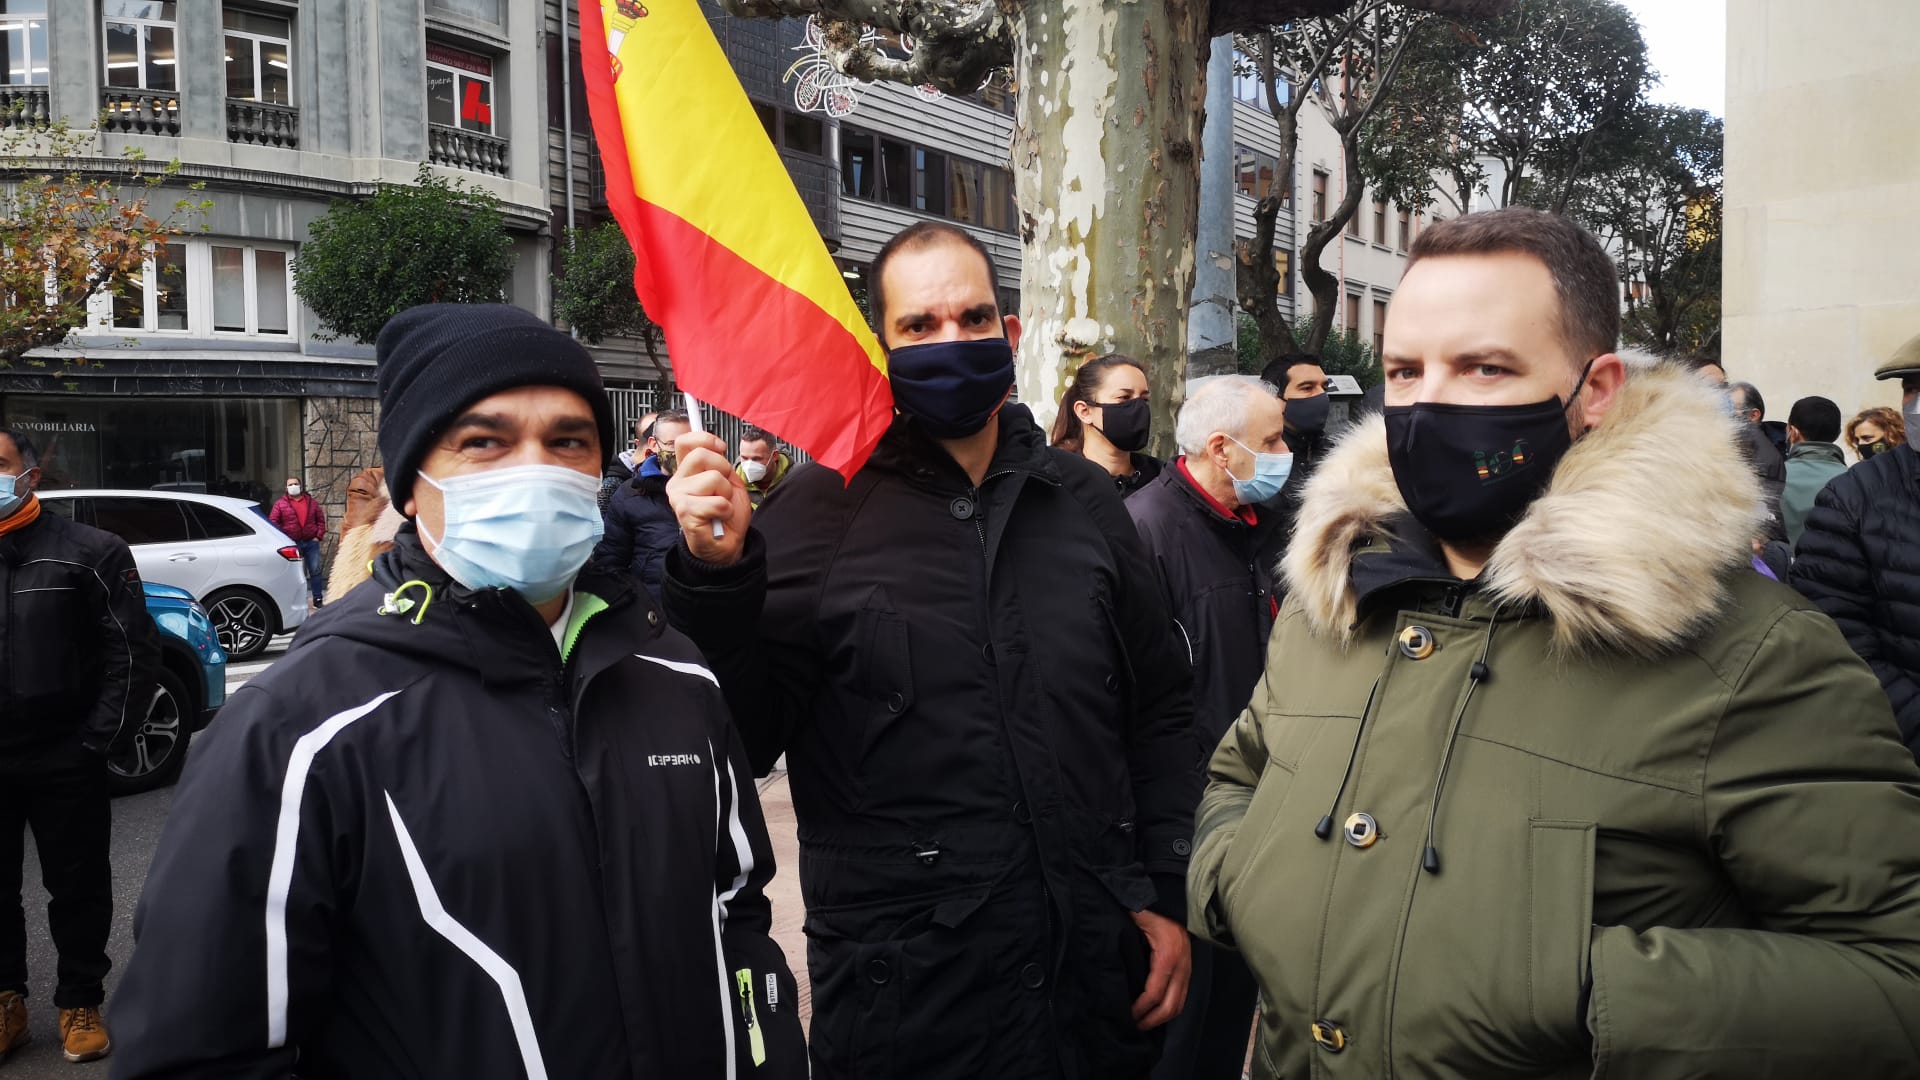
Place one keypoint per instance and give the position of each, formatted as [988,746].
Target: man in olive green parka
[1542,779]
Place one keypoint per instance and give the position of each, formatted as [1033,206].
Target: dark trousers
[316,574]
[60,792]
[1208,1040]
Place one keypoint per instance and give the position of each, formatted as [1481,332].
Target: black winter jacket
[1770,465]
[77,646]
[985,709]
[1859,559]
[423,845]
[1217,574]
[640,530]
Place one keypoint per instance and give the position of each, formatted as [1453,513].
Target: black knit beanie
[437,359]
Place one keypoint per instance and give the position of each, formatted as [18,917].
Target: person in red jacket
[301,517]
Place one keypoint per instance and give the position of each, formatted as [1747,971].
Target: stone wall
[338,442]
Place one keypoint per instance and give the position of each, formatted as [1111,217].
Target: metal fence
[630,405]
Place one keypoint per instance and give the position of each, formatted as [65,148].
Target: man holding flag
[987,722]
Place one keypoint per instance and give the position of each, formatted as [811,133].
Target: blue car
[188,689]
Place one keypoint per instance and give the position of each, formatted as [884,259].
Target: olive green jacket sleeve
[1231,776]
[1812,808]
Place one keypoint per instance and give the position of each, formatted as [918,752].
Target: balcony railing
[262,124]
[25,106]
[459,148]
[141,112]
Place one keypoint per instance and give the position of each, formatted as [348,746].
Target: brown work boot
[83,1035]
[13,1022]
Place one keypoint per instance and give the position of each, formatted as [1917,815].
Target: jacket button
[961,508]
[896,702]
[1033,977]
[1362,831]
[1182,847]
[1331,1036]
[653,618]
[1022,815]
[1416,643]
[1113,684]
[879,972]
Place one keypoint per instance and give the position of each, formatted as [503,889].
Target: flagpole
[699,428]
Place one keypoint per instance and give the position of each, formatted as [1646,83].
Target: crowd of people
[1557,718]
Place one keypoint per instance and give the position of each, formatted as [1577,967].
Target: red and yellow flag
[757,317]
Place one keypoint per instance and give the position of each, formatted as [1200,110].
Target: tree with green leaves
[593,293]
[1344,352]
[1546,85]
[432,241]
[1655,198]
[70,231]
[1380,72]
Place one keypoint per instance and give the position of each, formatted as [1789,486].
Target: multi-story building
[209,375]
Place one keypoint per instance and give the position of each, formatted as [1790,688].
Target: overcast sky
[1687,41]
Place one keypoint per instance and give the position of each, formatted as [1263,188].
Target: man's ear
[33,479]
[1602,389]
[1012,323]
[1794,438]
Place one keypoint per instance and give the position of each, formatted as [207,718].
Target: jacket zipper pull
[755,1041]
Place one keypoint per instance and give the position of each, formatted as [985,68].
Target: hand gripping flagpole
[699,428]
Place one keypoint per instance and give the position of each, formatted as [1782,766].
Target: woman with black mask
[1105,418]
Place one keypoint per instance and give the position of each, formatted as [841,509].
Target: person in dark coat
[1106,417]
[1859,558]
[1768,461]
[622,466]
[1215,551]
[1303,384]
[77,655]
[1813,459]
[984,706]
[487,818]
[640,528]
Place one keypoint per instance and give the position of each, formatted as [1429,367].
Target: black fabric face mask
[1469,472]
[1874,449]
[1126,424]
[952,388]
[1309,415]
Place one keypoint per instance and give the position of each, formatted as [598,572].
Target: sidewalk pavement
[784,890]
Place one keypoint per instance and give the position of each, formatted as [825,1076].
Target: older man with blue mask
[488,817]
[1214,549]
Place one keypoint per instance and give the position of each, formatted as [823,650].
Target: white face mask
[754,471]
[293,489]
[529,528]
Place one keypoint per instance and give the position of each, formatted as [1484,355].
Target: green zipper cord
[396,602]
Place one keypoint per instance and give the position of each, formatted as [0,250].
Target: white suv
[245,572]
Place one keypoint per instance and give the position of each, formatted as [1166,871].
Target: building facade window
[484,10]
[1380,224]
[259,57]
[1353,316]
[1406,230]
[1319,196]
[1379,327]
[206,287]
[23,42]
[139,41]
[1257,174]
[459,88]
[884,169]
[1283,262]
[791,131]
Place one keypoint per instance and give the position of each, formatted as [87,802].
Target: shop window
[23,42]
[242,447]
[258,57]
[139,41]
[459,88]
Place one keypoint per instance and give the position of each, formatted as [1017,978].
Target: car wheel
[242,619]
[153,755]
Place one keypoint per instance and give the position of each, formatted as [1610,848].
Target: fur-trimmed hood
[1627,550]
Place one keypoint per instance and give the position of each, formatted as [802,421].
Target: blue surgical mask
[951,388]
[10,496]
[529,528]
[1270,472]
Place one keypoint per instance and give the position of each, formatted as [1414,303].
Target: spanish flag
[757,317]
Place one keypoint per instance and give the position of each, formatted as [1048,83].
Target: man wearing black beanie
[489,817]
